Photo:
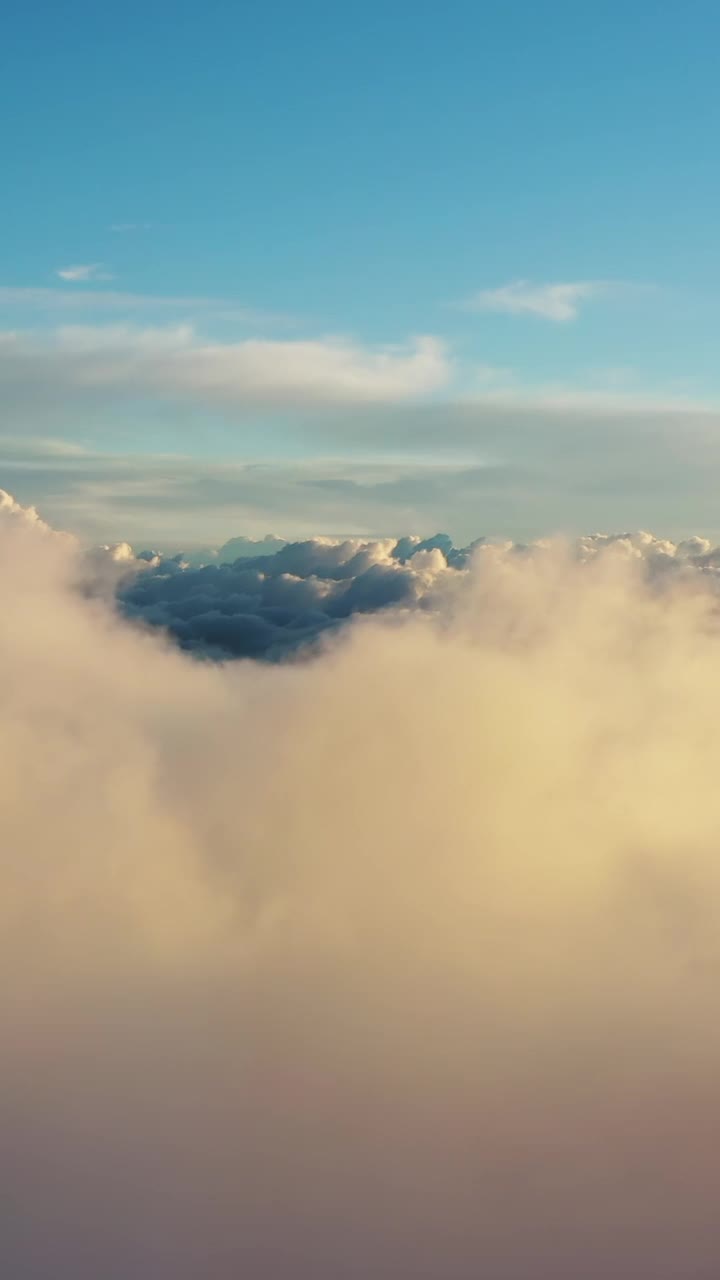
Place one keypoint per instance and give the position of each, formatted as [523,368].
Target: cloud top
[277,604]
[402,962]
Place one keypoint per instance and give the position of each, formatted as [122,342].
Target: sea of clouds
[396,959]
[272,599]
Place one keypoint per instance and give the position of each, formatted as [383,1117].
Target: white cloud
[565,398]
[59,301]
[11,509]
[178,363]
[558,302]
[320,584]
[398,449]
[82,273]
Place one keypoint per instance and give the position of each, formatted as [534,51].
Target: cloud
[120,303]
[176,363]
[400,962]
[185,503]
[10,509]
[558,302]
[513,470]
[564,398]
[335,437]
[269,605]
[272,602]
[83,272]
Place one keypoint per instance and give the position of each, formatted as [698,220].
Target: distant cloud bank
[241,604]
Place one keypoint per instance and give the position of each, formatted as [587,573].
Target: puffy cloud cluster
[10,509]
[398,963]
[274,604]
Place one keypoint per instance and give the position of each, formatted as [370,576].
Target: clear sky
[370,267]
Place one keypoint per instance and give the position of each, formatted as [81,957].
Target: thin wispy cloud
[513,463]
[57,300]
[176,363]
[124,228]
[83,273]
[558,302]
[562,398]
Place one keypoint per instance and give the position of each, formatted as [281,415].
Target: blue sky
[283,266]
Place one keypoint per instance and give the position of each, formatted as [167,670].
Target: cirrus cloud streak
[559,302]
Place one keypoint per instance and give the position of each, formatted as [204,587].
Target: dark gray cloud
[269,605]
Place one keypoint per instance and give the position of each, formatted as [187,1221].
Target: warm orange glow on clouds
[401,962]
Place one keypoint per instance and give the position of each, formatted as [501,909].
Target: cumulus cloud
[271,605]
[82,273]
[9,507]
[240,548]
[175,363]
[399,962]
[13,515]
[558,302]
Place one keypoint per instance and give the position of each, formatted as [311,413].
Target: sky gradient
[366,269]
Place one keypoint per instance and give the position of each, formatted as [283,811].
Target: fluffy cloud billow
[270,605]
[397,962]
[274,604]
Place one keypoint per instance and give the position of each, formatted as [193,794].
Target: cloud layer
[269,601]
[402,962]
[175,363]
[270,605]
[509,469]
